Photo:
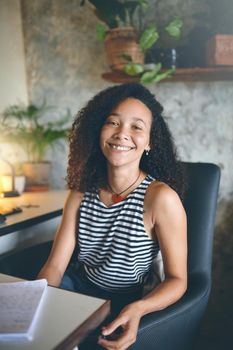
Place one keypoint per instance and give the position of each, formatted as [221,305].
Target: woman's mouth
[120,147]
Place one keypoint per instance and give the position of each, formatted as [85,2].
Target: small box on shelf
[219,51]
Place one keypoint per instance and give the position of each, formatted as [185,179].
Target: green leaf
[148,38]
[164,75]
[24,125]
[143,4]
[174,28]
[101,31]
[133,69]
[126,57]
[149,76]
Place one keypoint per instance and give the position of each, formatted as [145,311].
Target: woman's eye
[137,127]
[111,122]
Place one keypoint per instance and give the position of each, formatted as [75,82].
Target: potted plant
[25,125]
[127,39]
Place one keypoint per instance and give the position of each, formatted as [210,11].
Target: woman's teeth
[121,148]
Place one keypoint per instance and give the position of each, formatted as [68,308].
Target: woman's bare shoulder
[73,199]
[161,196]
[158,189]
[75,195]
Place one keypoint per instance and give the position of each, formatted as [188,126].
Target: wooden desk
[37,207]
[60,314]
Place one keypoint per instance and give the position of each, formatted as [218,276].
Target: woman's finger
[111,327]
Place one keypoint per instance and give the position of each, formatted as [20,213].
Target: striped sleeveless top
[113,245]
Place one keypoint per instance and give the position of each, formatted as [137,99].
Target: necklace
[117,197]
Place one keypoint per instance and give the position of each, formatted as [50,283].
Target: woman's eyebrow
[115,114]
[139,120]
[136,119]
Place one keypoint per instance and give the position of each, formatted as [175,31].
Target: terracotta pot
[119,42]
[37,175]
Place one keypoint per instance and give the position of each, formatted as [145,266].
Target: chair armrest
[198,289]
[175,326]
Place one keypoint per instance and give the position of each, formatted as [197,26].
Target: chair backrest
[200,204]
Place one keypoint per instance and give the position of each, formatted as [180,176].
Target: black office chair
[176,327]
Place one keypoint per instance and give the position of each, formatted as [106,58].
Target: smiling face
[126,133]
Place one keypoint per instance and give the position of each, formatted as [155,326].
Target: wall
[13,86]
[13,82]
[64,63]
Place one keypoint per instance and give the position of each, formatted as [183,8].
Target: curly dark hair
[87,166]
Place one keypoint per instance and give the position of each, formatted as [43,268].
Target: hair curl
[87,166]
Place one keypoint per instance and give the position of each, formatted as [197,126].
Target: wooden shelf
[181,74]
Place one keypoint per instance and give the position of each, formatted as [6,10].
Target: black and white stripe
[113,244]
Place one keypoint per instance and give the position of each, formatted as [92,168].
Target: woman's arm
[64,242]
[169,220]
[170,225]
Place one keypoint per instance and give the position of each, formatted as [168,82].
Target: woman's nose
[121,133]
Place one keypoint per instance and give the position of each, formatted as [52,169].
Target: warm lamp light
[8,182]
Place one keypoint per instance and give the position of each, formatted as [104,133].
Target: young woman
[124,206]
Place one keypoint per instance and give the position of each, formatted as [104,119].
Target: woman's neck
[120,179]
[120,183]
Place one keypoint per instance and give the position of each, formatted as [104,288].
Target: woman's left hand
[128,320]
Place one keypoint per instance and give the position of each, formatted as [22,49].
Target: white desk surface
[61,312]
[37,207]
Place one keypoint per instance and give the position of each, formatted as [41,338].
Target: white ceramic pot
[19,183]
